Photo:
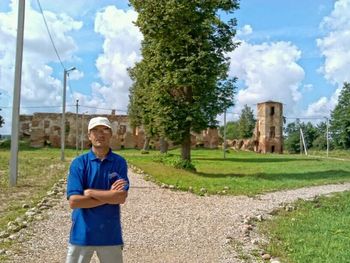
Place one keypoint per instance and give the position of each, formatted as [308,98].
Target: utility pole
[76,126]
[327,135]
[17,94]
[82,132]
[63,123]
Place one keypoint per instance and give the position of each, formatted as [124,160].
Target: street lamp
[82,131]
[63,124]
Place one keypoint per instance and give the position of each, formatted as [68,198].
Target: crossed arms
[93,197]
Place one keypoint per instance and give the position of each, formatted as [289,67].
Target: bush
[174,161]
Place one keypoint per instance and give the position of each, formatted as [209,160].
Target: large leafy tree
[246,122]
[340,119]
[181,84]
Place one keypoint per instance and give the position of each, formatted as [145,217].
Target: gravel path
[161,225]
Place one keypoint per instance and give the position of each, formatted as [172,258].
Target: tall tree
[184,67]
[246,122]
[340,119]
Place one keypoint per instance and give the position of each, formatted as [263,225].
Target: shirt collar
[93,157]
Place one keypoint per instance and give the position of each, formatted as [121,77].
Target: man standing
[97,185]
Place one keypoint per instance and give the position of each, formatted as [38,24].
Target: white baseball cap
[99,121]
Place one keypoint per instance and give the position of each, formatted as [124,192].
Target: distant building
[45,129]
[268,133]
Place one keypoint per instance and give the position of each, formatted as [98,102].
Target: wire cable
[48,31]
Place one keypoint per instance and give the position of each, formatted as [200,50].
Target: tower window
[272,132]
[272,111]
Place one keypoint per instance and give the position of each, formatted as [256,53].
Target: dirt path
[161,225]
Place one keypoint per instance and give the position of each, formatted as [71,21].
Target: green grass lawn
[244,173]
[316,231]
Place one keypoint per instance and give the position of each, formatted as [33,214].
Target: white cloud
[246,30]
[39,86]
[323,106]
[335,46]
[122,41]
[269,72]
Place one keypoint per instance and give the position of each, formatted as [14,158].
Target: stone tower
[268,132]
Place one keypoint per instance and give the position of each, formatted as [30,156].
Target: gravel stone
[164,226]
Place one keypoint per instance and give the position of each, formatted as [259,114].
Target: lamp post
[82,131]
[76,126]
[63,124]
[17,95]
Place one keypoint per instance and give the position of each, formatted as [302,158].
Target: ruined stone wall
[45,129]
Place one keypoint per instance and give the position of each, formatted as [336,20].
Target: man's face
[100,136]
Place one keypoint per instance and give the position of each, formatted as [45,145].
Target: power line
[28,107]
[48,31]
[70,88]
[90,107]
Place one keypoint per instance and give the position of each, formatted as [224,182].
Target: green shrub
[174,161]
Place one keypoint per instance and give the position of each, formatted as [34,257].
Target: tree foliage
[231,130]
[292,142]
[181,84]
[340,119]
[246,123]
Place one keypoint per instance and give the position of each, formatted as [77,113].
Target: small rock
[255,241]
[226,188]
[30,214]
[172,186]
[203,190]
[38,217]
[266,256]
[259,218]
[13,236]
[275,260]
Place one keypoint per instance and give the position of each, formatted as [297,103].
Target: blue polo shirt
[98,226]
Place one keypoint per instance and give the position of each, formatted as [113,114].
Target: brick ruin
[268,131]
[45,129]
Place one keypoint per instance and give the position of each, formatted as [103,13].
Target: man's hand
[87,192]
[119,185]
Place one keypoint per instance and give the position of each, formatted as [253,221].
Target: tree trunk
[146,144]
[186,147]
[163,145]
[186,143]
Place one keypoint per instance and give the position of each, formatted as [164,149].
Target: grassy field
[244,173]
[241,173]
[316,231]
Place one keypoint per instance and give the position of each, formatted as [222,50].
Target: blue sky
[295,52]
